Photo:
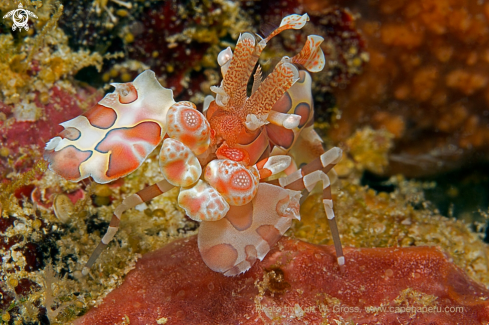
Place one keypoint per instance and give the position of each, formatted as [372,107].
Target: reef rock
[296,283]
[24,135]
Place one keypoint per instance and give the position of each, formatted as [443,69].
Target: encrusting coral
[426,82]
[297,283]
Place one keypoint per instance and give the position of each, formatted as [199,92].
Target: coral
[8,188]
[177,39]
[22,141]
[31,238]
[366,219]
[401,218]
[426,82]
[369,149]
[296,283]
[96,25]
[50,226]
[32,66]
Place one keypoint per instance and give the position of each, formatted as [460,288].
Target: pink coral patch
[154,288]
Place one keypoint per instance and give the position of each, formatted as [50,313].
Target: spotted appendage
[203,202]
[311,56]
[237,76]
[236,183]
[178,163]
[187,125]
[113,138]
[270,91]
[289,22]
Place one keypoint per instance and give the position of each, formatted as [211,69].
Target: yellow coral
[369,148]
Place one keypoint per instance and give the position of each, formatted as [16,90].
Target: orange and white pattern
[178,163]
[290,22]
[270,91]
[240,68]
[234,154]
[233,244]
[225,161]
[236,183]
[239,120]
[202,202]
[187,125]
[311,56]
[113,138]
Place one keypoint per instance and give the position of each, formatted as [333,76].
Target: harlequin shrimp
[235,163]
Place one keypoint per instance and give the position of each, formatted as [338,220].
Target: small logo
[20,17]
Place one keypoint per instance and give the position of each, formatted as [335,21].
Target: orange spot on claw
[101,117]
